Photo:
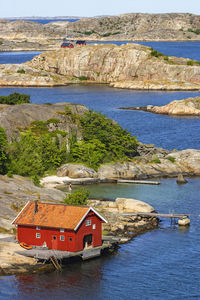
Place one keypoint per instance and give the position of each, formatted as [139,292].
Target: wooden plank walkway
[171,215]
[138,181]
[45,254]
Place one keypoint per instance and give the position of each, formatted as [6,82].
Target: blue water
[180,49]
[161,130]
[10,57]
[161,264]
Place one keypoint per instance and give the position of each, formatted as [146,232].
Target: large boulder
[133,205]
[76,171]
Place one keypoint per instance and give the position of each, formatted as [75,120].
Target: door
[54,242]
[87,241]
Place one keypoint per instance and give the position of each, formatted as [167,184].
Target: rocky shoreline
[21,190]
[130,66]
[185,107]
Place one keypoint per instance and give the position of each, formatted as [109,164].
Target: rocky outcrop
[76,171]
[133,26]
[186,162]
[185,107]
[15,118]
[122,225]
[127,66]
[16,191]
[23,75]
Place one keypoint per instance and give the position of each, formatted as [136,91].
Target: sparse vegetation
[77,197]
[155,159]
[82,78]
[171,158]
[15,98]
[156,53]
[21,71]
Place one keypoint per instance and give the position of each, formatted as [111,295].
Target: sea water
[161,264]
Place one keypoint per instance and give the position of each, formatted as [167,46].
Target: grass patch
[171,158]
[155,159]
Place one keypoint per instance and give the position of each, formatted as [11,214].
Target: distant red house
[59,226]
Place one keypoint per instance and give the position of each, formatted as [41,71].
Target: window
[88,222]
[37,235]
[70,239]
[62,238]
[62,230]
[37,227]
[94,226]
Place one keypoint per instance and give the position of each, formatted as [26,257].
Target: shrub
[21,71]
[35,154]
[155,159]
[78,197]
[171,158]
[190,63]
[109,138]
[82,78]
[15,98]
[36,180]
[156,53]
[3,150]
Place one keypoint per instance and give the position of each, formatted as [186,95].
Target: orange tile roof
[51,215]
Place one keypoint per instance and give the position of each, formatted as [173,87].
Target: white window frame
[62,230]
[38,227]
[38,236]
[88,222]
[62,238]
[94,226]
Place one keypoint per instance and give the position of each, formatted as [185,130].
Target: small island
[185,107]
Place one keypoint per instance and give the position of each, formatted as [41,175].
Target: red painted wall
[73,241]
[85,230]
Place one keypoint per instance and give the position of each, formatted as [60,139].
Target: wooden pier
[138,181]
[183,219]
[40,253]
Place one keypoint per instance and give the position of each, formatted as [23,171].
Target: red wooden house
[59,226]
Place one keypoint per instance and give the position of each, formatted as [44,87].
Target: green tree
[15,98]
[78,197]
[118,142]
[3,149]
[35,154]
[91,153]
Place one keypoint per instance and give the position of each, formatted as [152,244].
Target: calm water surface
[161,130]
[162,264]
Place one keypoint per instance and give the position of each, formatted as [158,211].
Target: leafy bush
[15,98]
[103,141]
[190,63]
[91,153]
[36,180]
[3,149]
[83,78]
[156,53]
[78,197]
[35,154]
[21,71]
